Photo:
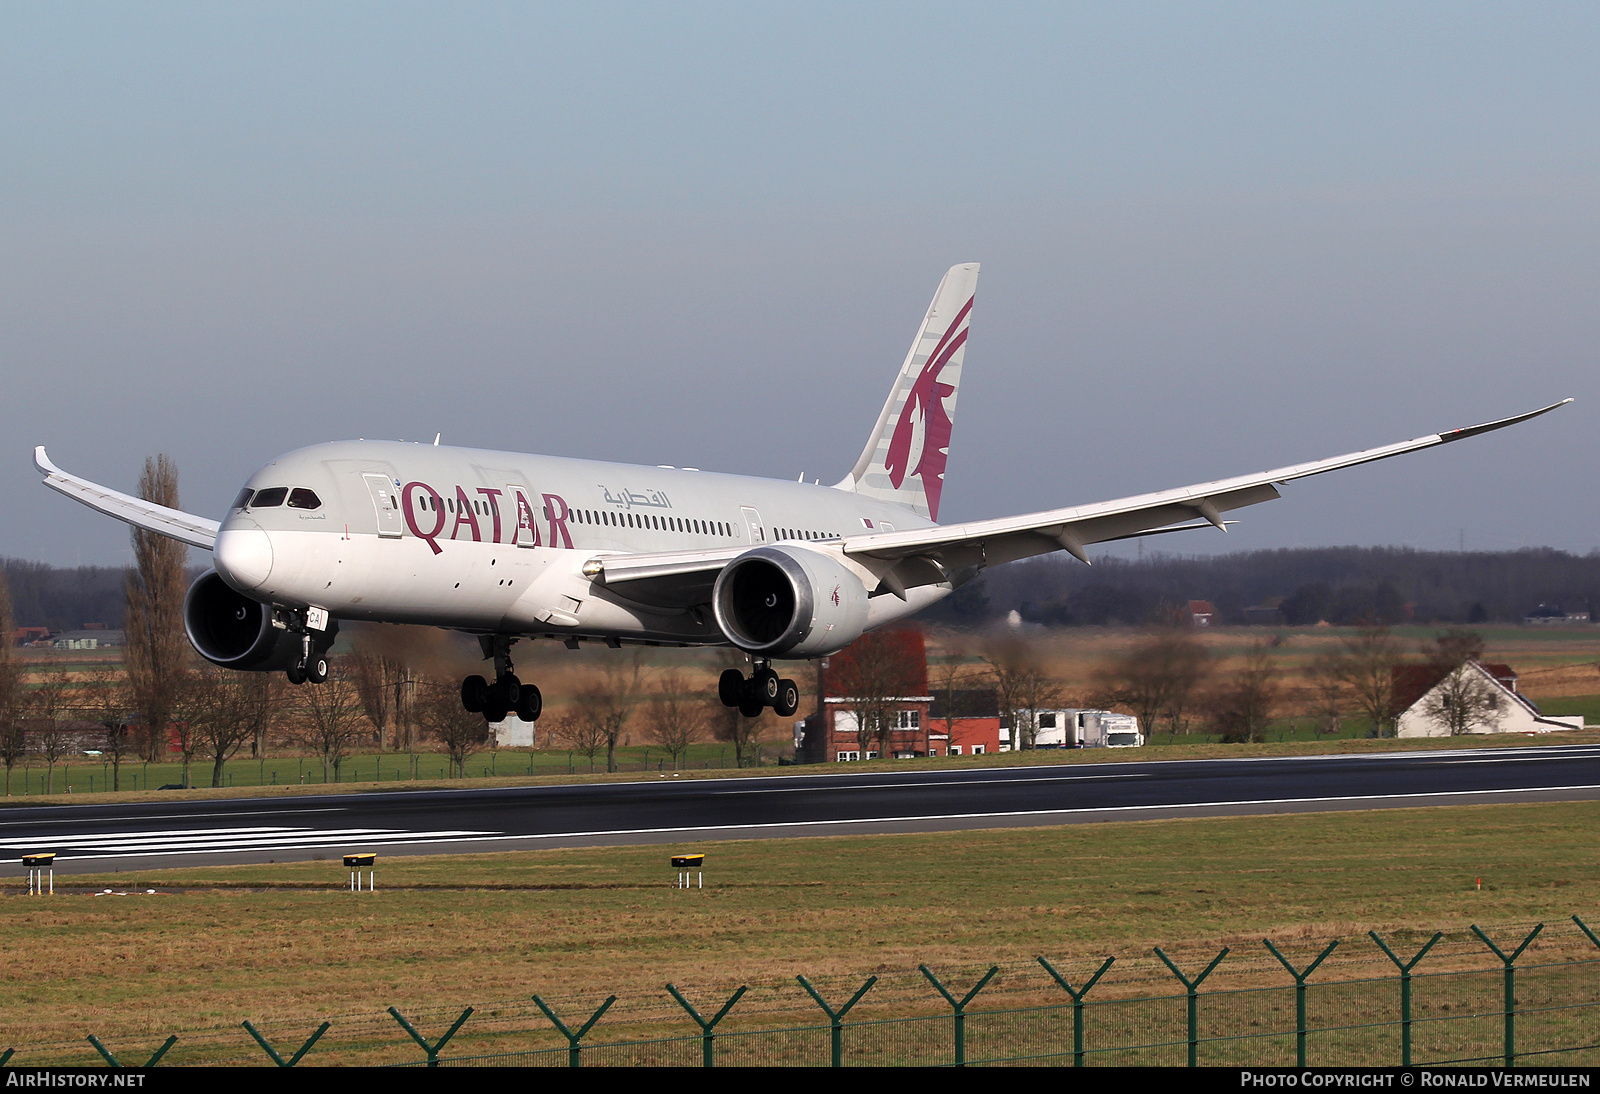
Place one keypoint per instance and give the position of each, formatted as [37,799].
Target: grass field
[286,945]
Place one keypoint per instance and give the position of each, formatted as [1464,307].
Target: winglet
[1489,427]
[42,461]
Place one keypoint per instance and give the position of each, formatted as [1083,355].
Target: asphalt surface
[96,838]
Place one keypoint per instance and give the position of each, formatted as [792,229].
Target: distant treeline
[67,598]
[1293,586]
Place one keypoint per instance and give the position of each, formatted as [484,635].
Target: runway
[828,801]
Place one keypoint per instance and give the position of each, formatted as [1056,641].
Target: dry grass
[220,944]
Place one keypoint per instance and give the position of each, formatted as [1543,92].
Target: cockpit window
[269,497]
[301,498]
[243,499]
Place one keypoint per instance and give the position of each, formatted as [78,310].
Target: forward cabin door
[752,521]
[386,503]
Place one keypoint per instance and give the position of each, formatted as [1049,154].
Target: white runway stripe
[211,840]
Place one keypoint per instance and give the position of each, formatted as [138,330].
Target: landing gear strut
[507,695]
[753,694]
[312,666]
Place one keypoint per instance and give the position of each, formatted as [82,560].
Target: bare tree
[1157,678]
[226,710]
[945,679]
[1242,708]
[188,706]
[1370,657]
[48,720]
[374,677]
[1327,691]
[675,719]
[439,712]
[580,733]
[332,722]
[1463,700]
[602,707]
[13,739]
[1021,687]
[870,674]
[156,650]
[106,701]
[1449,648]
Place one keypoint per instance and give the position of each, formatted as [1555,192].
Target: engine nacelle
[231,630]
[789,602]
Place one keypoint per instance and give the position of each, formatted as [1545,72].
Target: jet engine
[789,602]
[231,630]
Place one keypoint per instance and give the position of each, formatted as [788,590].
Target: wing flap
[185,527]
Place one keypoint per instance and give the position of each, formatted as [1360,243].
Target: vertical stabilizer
[904,460]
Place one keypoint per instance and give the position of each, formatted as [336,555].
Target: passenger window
[270,497]
[243,499]
[302,498]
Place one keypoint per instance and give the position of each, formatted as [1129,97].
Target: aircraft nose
[243,554]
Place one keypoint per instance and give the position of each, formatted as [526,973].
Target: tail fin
[904,461]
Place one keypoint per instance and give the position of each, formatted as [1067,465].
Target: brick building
[881,677]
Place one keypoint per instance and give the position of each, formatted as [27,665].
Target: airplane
[507,546]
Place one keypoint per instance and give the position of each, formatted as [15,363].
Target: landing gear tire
[788,700]
[730,687]
[767,686]
[495,713]
[296,674]
[529,704]
[752,707]
[474,694]
[316,670]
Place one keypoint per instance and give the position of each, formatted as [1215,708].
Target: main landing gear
[753,694]
[507,695]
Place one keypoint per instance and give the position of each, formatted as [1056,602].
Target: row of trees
[1343,585]
[1167,680]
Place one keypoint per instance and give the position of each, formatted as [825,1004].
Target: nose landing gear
[755,693]
[312,667]
[507,695]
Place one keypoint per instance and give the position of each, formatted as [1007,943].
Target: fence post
[1511,986]
[1405,968]
[708,1035]
[114,1062]
[431,1049]
[1584,927]
[960,1008]
[835,1016]
[276,1057]
[6,1055]
[1299,995]
[574,1040]
[1077,1003]
[1194,1000]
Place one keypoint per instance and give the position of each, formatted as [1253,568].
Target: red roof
[1411,682]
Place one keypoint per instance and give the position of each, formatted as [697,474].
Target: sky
[1215,238]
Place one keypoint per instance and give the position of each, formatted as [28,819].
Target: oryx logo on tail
[905,460]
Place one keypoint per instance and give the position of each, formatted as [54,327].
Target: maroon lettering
[437,508]
[556,510]
[465,515]
[489,497]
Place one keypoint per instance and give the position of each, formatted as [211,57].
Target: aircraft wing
[956,553]
[929,555]
[190,529]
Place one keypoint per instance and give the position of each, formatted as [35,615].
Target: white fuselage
[496,542]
